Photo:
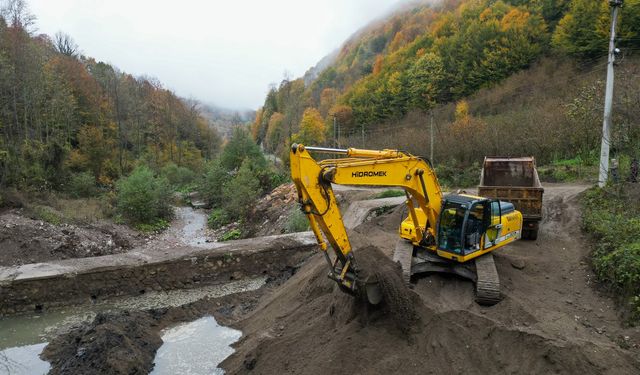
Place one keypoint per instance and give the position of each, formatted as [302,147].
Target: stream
[195,347]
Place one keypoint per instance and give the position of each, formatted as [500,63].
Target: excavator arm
[390,168]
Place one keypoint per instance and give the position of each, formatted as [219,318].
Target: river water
[24,336]
[195,348]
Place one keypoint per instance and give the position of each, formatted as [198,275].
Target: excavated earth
[25,240]
[553,318]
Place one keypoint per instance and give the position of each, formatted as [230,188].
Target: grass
[157,226]
[613,221]
[233,234]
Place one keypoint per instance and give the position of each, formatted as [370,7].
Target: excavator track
[404,255]
[488,282]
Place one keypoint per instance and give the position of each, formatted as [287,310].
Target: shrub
[612,219]
[47,214]
[143,198]
[218,218]
[82,185]
[451,175]
[297,221]
[233,234]
[178,177]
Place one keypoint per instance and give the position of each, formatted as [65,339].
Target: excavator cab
[469,224]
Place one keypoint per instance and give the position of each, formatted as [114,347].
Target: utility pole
[608,99]
[335,141]
[431,133]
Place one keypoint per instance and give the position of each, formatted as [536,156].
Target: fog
[222,52]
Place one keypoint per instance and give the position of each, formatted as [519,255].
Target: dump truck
[515,180]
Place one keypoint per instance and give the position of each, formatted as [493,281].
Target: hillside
[65,115]
[425,57]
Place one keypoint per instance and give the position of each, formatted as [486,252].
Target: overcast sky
[221,52]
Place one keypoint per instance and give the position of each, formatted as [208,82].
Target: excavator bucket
[373,292]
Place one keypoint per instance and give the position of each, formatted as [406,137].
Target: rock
[250,362]
[518,264]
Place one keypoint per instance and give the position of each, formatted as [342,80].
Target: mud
[24,240]
[126,342]
[552,320]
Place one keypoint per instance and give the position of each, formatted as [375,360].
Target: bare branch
[65,45]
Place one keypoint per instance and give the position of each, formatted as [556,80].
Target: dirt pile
[398,303]
[24,240]
[309,326]
[272,211]
[122,343]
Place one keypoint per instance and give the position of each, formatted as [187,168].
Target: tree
[275,132]
[240,147]
[425,79]
[241,192]
[577,34]
[17,14]
[65,45]
[143,198]
[312,128]
[93,146]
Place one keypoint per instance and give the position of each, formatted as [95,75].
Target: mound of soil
[122,343]
[309,326]
[272,211]
[24,240]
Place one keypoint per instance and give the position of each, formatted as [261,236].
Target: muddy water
[23,360]
[23,337]
[194,224]
[195,348]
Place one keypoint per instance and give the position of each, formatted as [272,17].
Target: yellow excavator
[455,233]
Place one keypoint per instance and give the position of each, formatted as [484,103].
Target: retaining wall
[75,281]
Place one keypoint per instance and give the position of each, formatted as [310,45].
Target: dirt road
[552,319]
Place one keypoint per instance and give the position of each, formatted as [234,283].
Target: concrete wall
[76,281]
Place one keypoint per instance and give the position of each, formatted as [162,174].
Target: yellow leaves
[377,66]
[462,111]
[275,131]
[486,14]
[515,19]
[77,161]
[312,128]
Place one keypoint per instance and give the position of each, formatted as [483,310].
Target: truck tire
[532,234]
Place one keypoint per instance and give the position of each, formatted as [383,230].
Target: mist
[222,52]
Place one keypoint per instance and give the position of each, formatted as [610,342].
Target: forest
[479,68]
[65,116]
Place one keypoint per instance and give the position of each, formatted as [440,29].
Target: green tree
[241,192]
[212,184]
[577,33]
[425,79]
[240,147]
[143,198]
